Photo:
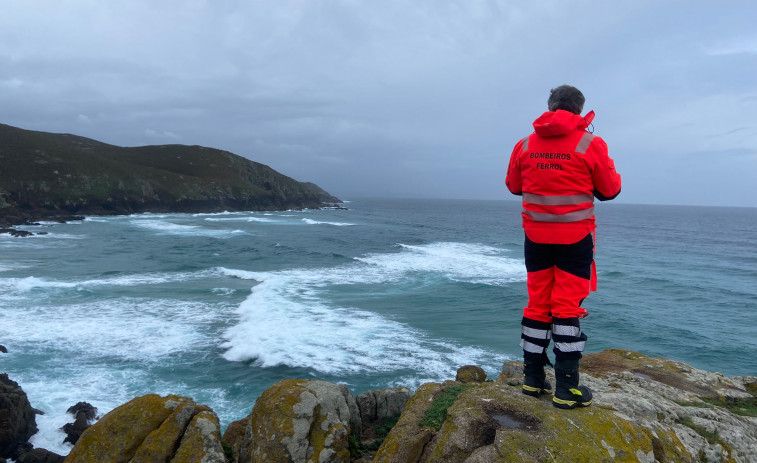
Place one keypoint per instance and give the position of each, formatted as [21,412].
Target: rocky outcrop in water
[39,456]
[17,421]
[151,429]
[84,415]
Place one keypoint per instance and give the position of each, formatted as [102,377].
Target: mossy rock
[233,438]
[407,439]
[149,429]
[302,421]
[662,370]
[494,422]
[470,374]
[201,442]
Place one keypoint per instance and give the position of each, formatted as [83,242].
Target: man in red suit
[559,170]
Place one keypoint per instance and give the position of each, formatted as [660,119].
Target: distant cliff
[47,175]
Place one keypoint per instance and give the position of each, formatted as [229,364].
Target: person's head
[567,98]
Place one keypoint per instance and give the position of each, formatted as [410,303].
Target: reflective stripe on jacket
[559,170]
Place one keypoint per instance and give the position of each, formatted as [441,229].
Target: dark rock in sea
[39,456]
[337,207]
[17,422]
[74,430]
[90,411]
[3,349]
[84,414]
[67,218]
[14,232]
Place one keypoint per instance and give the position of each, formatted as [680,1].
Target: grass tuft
[743,407]
[437,412]
[711,437]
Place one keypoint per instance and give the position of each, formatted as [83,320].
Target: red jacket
[559,170]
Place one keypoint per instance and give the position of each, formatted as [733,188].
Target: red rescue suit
[559,170]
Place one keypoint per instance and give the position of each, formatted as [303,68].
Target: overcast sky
[411,98]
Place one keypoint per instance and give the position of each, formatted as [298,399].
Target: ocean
[219,307]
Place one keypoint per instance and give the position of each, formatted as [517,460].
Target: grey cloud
[399,97]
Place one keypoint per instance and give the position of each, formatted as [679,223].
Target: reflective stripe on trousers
[570,341]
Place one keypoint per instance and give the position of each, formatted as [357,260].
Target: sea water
[219,307]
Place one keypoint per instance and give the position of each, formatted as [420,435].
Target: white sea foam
[105,388]
[222,291]
[288,320]
[242,274]
[473,263]
[204,214]
[281,328]
[336,224]
[240,219]
[30,283]
[59,236]
[146,330]
[169,228]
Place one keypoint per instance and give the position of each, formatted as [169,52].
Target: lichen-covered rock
[470,374]
[201,442]
[151,429]
[234,437]
[301,421]
[406,440]
[645,410]
[494,422]
[17,421]
[380,404]
[714,416]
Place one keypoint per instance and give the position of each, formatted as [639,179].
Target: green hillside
[45,175]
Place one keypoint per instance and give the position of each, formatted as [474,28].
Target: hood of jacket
[556,123]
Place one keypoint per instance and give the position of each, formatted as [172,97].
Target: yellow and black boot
[535,380]
[568,394]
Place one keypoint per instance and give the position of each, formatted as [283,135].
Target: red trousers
[559,278]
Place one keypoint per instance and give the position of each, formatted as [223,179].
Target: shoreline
[10,218]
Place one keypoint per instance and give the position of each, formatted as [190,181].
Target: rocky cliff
[645,410]
[47,175]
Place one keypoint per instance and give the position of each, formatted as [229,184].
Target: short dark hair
[567,98]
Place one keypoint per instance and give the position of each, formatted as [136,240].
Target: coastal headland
[645,410]
[61,177]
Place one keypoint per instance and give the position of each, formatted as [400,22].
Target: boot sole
[568,404]
[534,391]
